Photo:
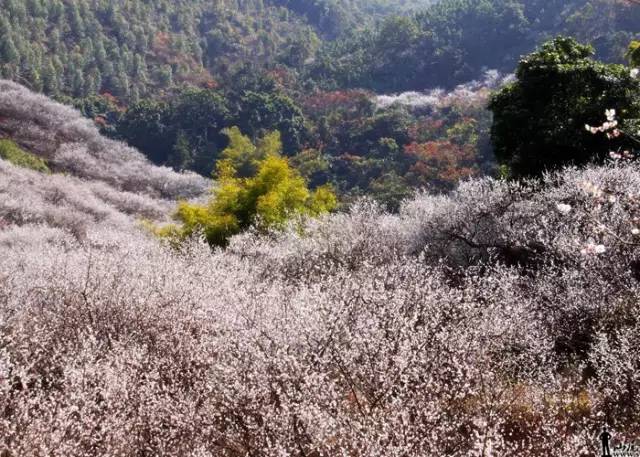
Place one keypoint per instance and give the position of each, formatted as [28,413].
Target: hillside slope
[134,48]
[503,317]
[454,41]
[94,181]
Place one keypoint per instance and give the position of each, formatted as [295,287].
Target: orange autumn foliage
[440,163]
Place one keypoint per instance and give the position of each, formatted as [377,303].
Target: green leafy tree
[183,133]
[312,165]
[263,111]
[539,120]
[144,126]
[200,115]
[182,153]
[267,199]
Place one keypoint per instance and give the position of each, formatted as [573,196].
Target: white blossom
[592,248]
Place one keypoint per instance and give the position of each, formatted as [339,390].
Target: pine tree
[8,50]
[50,79]
[36,80]
[77,83]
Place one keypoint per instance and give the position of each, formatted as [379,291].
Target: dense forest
[169,77]
[134,49]
[317,228]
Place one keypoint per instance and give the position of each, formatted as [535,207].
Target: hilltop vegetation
[132,48]
[454,40]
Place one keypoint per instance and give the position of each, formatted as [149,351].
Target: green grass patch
[11,152]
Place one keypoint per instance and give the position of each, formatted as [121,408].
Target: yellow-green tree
[633,53]
[256,187]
